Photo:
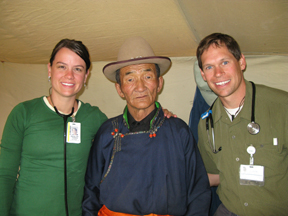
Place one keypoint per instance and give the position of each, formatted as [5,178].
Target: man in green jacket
[243,137]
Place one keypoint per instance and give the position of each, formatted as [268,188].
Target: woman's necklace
[239,108]
[73,116]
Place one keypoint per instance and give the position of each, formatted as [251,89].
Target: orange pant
[104,211]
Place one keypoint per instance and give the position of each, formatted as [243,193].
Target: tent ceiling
[30,29]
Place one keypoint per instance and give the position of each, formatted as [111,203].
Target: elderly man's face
[139,86]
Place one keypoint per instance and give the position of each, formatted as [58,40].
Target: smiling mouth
[68,84]
[222,83]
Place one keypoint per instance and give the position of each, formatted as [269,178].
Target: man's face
[139,86]
[223,73]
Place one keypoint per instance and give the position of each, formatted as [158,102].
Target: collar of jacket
[125,117]
[219,112]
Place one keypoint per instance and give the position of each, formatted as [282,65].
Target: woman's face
[68,73]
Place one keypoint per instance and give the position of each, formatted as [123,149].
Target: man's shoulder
[112,121]
[107,128]
[175,121]
[214,108]
[270,89]
[177,126]
[270,94]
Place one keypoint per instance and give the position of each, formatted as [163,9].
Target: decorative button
[245,204]
[237,159]
[233,137]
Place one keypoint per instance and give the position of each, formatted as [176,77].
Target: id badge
[73,132]
[251,175]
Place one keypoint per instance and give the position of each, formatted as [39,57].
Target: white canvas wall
[20,82]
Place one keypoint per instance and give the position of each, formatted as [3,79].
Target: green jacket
[271,113]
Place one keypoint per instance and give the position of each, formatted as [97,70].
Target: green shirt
[271,114]
[33,139]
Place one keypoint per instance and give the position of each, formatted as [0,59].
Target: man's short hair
[218,39]
[117,75]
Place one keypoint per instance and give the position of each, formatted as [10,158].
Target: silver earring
[85,85]
[49,78]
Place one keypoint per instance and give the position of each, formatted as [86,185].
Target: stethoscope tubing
[253,103]
[210,118]
[65,118]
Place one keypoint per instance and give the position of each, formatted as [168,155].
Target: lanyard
[65,118]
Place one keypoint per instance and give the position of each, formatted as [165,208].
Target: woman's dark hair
[218,39]
[76,46]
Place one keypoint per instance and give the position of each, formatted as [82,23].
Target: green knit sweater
[33,139]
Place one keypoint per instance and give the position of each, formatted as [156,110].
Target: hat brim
[110,69]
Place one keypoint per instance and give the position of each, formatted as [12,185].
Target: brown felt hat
[135,50]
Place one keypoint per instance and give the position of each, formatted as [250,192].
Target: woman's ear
[49,69]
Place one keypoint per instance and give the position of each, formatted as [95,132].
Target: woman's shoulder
[32,102]
[29,104]
[88,109]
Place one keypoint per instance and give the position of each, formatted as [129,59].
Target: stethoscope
[253,127]
[65,118]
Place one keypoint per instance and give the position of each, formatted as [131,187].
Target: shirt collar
[143,125]
[218,110]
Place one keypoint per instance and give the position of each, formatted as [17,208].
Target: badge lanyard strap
[65,118]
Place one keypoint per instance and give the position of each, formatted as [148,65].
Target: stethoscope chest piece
[253,128]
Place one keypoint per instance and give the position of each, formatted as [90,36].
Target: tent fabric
[29,29]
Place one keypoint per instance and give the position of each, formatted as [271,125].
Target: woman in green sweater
[40,173]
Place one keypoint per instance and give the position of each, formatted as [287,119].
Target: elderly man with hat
[142,163]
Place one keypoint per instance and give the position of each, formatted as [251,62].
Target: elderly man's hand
[168,114]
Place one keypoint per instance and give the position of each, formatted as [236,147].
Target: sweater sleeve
[91,200]
[199,194]
[10,156]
